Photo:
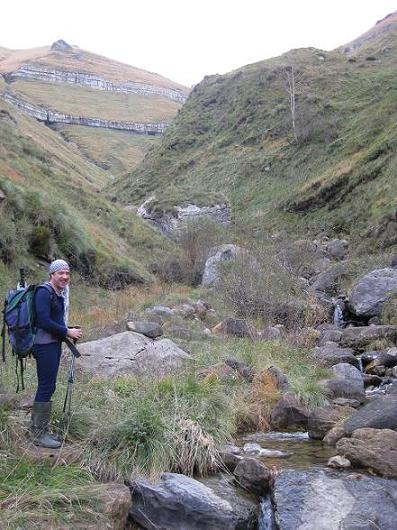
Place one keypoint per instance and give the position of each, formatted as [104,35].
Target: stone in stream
[252,475]
[323,419]
[289,413]
[372,448]
[321,499]
[381,413]
[257,450]
[178,502]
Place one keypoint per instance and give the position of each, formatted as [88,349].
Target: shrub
[40,241]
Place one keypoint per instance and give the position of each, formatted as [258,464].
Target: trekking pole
[67,406]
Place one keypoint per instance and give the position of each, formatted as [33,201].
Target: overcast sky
[185,40]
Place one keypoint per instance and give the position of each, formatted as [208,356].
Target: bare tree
[293,81]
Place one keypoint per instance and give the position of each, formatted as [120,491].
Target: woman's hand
[74,333]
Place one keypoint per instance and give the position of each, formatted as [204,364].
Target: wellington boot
[41,413]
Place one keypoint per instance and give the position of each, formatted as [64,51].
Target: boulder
[289,413]
[246,372]
[279,377]
[328,281]
[217,256]
[369,294]
[238,327]
[322,419]
[252,475]
[360,337]
[322,499]
[130,353]
[331,354]
[372,448]
[333,335]
[160,310]
[178,502]
[347,383]
[339,462]
[337,249]
[270,333]
[381,413]
[149,329]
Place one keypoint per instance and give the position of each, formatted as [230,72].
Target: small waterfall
[338,314]
[266,519]
[360,364]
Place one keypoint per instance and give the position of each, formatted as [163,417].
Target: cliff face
[56,118]
[28,72]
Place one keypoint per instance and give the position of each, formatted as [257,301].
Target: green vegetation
[234,135]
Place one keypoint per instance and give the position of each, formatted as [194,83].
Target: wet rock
[333,435]
[372,448]
[323,419]
[149,329]
[252,475]
[372,380]
[361,337]
[381,413]
[130,353]
[230,460]
[289,413]
[339,462]
[331,354]
[258,450]
[178,502]
[328,500]
[369,294]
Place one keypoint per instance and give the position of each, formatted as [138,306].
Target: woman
[51,306]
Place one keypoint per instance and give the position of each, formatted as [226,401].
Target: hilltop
[112,111]
[305,142]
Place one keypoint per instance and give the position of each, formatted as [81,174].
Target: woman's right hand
[74,333]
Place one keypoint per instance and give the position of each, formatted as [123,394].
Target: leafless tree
[293,82]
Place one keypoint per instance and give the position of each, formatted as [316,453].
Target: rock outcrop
[52,75]
[171,223]
[54,118]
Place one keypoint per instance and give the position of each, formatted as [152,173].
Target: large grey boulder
[372,448]
[331,354]
[253,476]
[347,383]
[381,413]
[370,293]
[360,337]
[289,413]
[178,502]
[322,419]
[130,353]
[213,266]
[329,280]
[320,499]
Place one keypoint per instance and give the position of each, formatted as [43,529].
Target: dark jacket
[50,317]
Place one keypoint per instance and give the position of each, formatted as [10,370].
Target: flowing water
[302,451]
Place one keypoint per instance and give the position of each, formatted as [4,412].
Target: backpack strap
[3,333]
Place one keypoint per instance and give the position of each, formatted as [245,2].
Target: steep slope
[50,206]
[67,87]
[305,141]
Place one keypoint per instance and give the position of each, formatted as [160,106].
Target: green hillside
[51,206]
[331,170]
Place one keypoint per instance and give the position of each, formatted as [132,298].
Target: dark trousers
[47,363]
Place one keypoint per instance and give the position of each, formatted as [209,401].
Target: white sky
[185,40]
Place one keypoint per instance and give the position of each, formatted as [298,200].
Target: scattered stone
[329,280]
[217,256]
[279,376]
[381,413]
[161,310]
[361,337]
[178,502]
[243,369]
[372,448]
[322,419]
[331,354]
[252,475]
[348,383]
[339,462]
[289,413]
[186,311]
[181,332]
[270,333]
[149,329]
[333,435]
[330,335]
[238,327]
[337,249]
[369,294]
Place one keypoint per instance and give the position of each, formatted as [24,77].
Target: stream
[302,453]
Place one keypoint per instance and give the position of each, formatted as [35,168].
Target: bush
[41,241]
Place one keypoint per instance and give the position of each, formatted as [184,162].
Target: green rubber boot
[41,413]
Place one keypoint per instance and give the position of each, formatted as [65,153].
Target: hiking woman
[51,307]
